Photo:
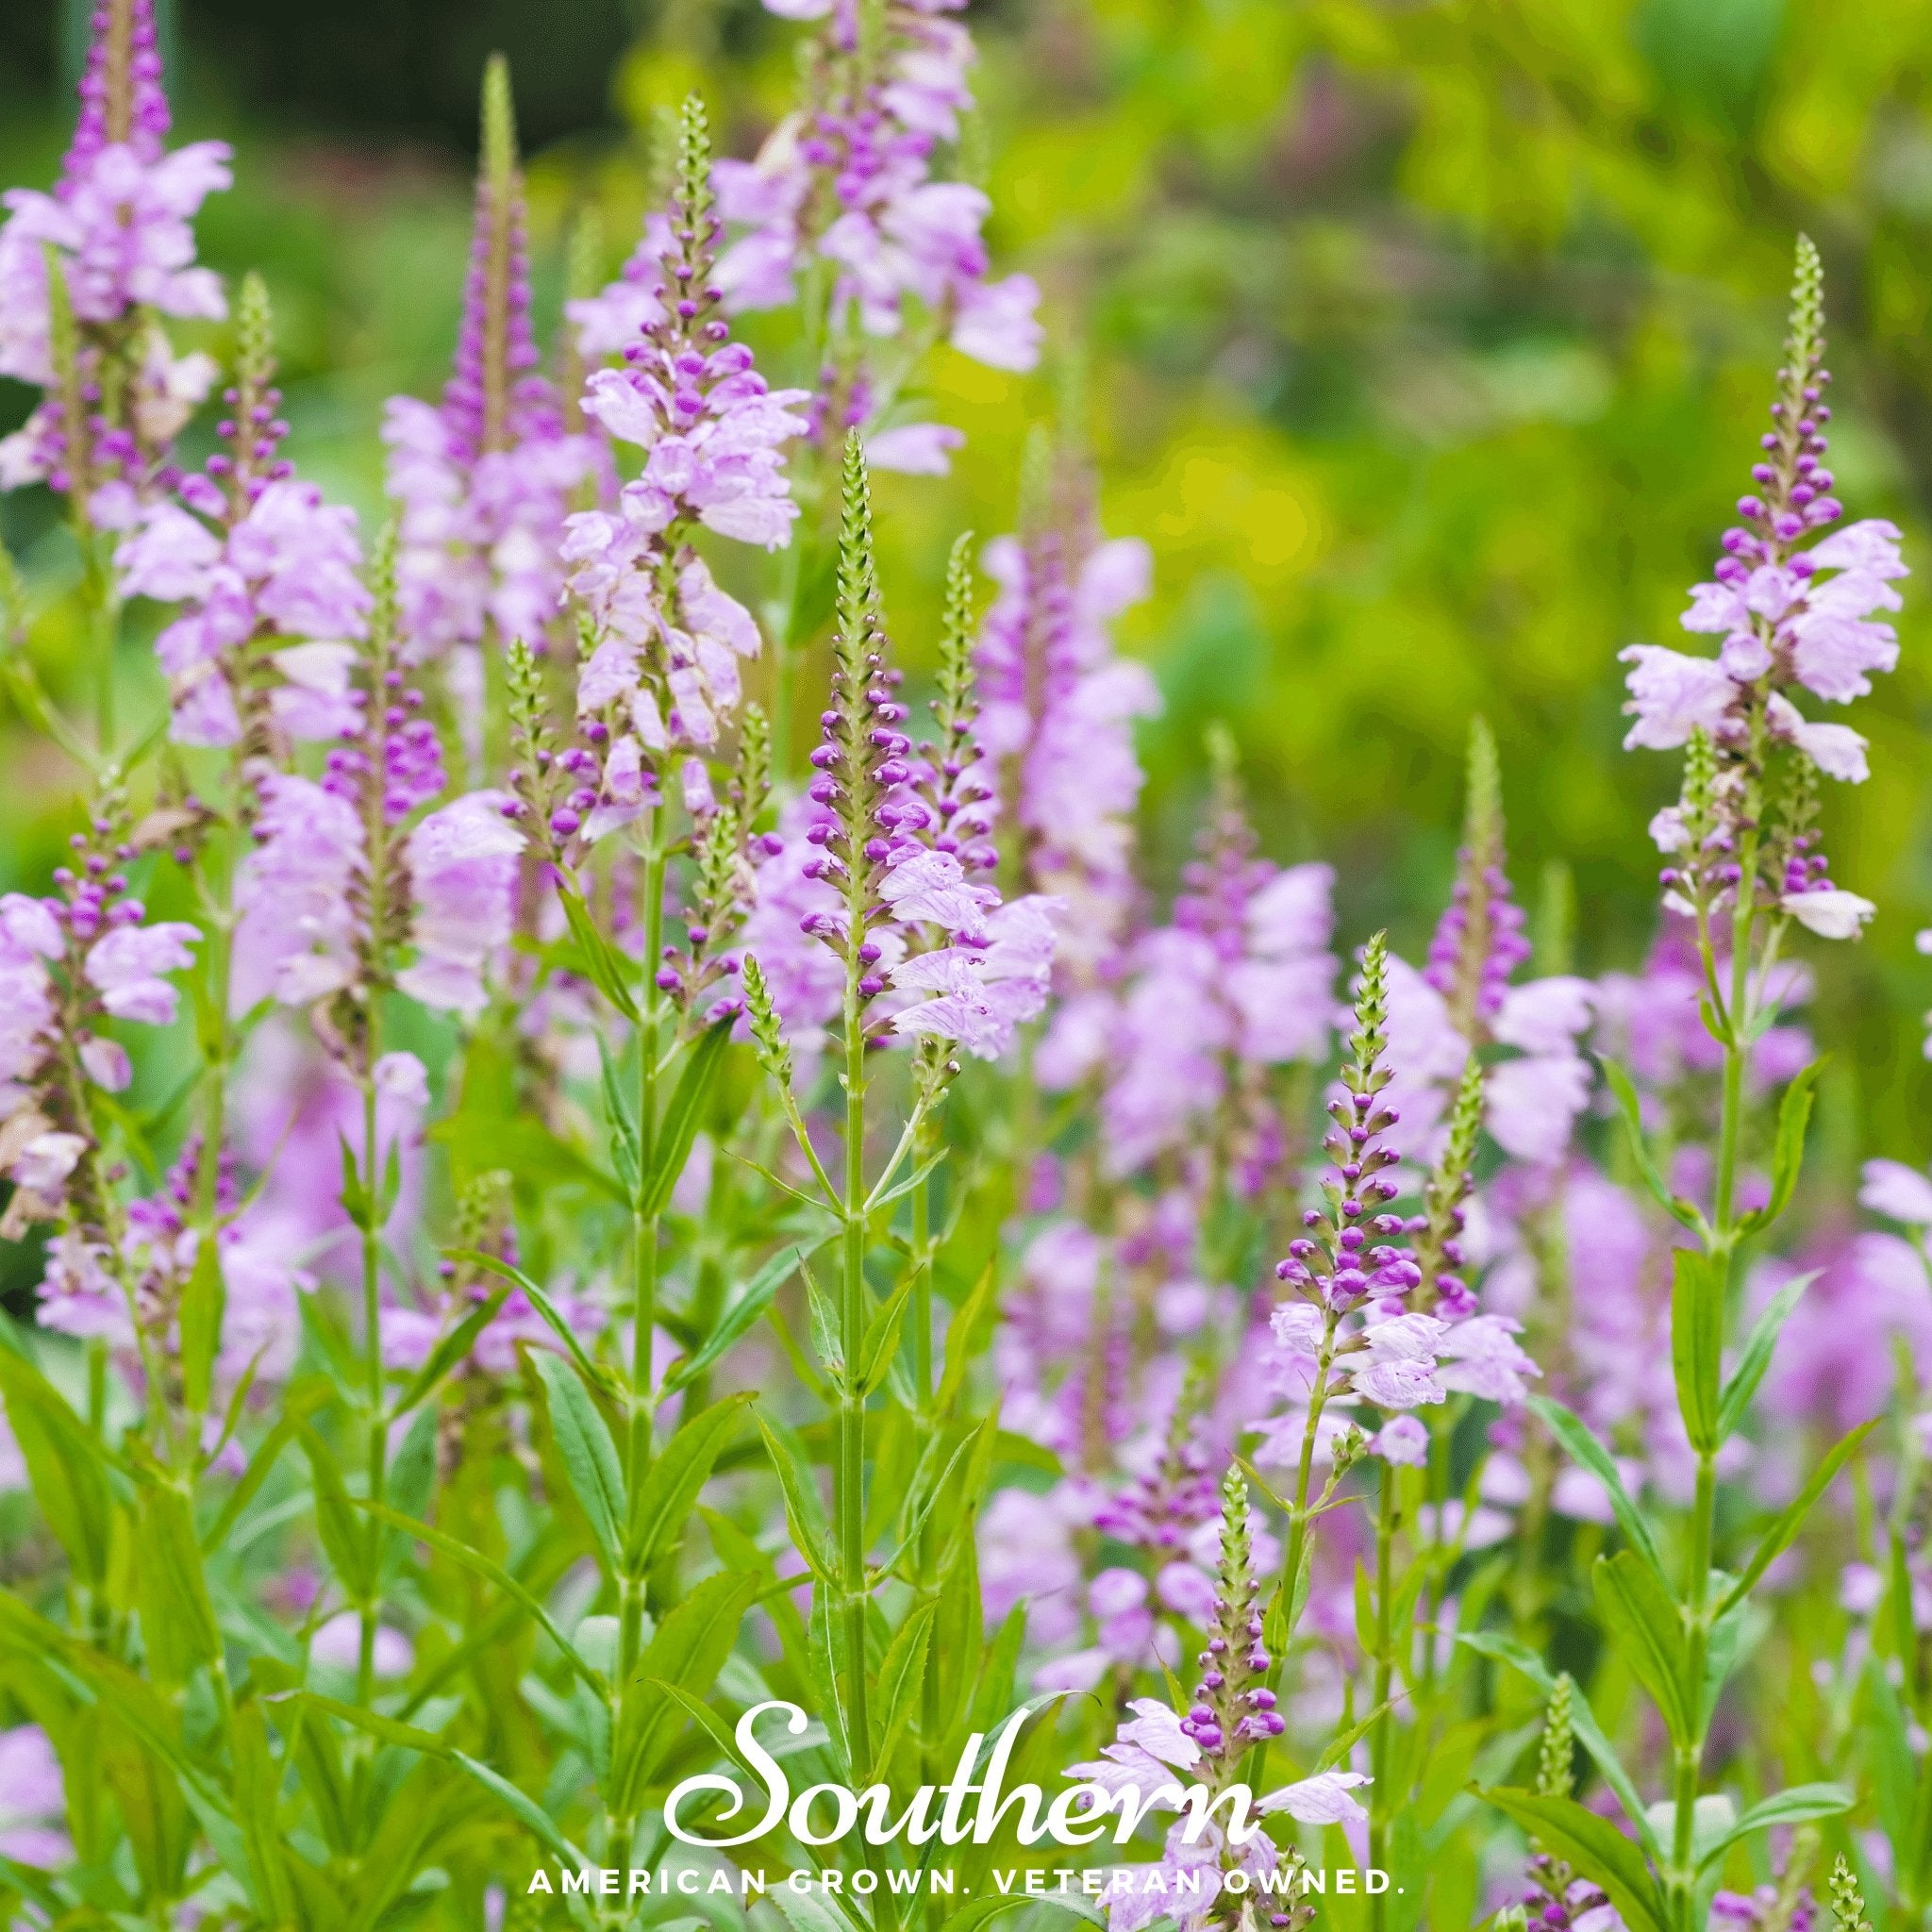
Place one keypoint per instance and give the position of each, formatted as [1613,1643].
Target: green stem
[371,1354]
[1381,1738]
[1255,1769]
[849,1476]
[637,1447]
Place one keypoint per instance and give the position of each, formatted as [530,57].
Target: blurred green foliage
[1426,343]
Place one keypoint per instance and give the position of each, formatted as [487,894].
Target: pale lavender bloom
[339,1643]
[915,449]
[289,567]
[1897,1192]
[1481,1356]
[1057,709]
[33,1799]
[1402,1440]
[981,993]
[462,861]
[850,183]
[299,925]
[127,966]
[119,223]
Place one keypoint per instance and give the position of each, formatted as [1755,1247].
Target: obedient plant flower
[116,232]
[71,964]
[1793,619]
[663,644]
[848,187]
[1161,1751]
[279,564]
[1058,706]
[1241,982]
[484,479]
[894,840]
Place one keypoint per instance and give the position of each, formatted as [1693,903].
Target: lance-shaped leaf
[1755,1358]
[737,1321]
[1624,1093]
[1649,1630]
[1788,1146]
[590,1457]
[1697,1341]
[64,1463]
[1793,1806]
[177,1617]
[689,1650]
[204,1298]
[900,1679]
[805,1510]
[1779,1535]
[1583,1449]
[344,1539]
[671,1148]
[1594,1847]
[453,1348]
[1583,1721]
[545,1307]
[479,1565]
[664,1500]
[608,970]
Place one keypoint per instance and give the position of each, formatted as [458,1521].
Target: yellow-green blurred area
[1426,343]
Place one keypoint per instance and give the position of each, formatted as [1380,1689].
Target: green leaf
[900,1679]
[824,1323]
[298,1401]
[525,1809]
[177,1617]
[1757,1354]
[1779,1535]
[1792,1807]
[688,1649]
[479,1565]
[448,1352]
[590,1457]
[344,1539]
[1649,1629]
[545,1307]
[1788,1146]
[1697,1340]
[203,1300]
[387,1730]
[669,1492]
[1595,1847]
[1583,1449]
[65,1465]
[965,1334]
[1624,1093]
[258,1779]
[737,1321]
[805,1511]
[1583,1721]
[670,1147]
[625,1155]
[606,968]
[881,1343]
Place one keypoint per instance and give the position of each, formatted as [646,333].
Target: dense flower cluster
[117,232]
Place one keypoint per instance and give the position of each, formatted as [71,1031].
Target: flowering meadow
[635,1191]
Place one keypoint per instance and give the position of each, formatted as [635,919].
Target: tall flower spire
[121,101]
[116,230]
[662,642]
[1793,621]
[1480,941]
[493,400]
[484,480]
